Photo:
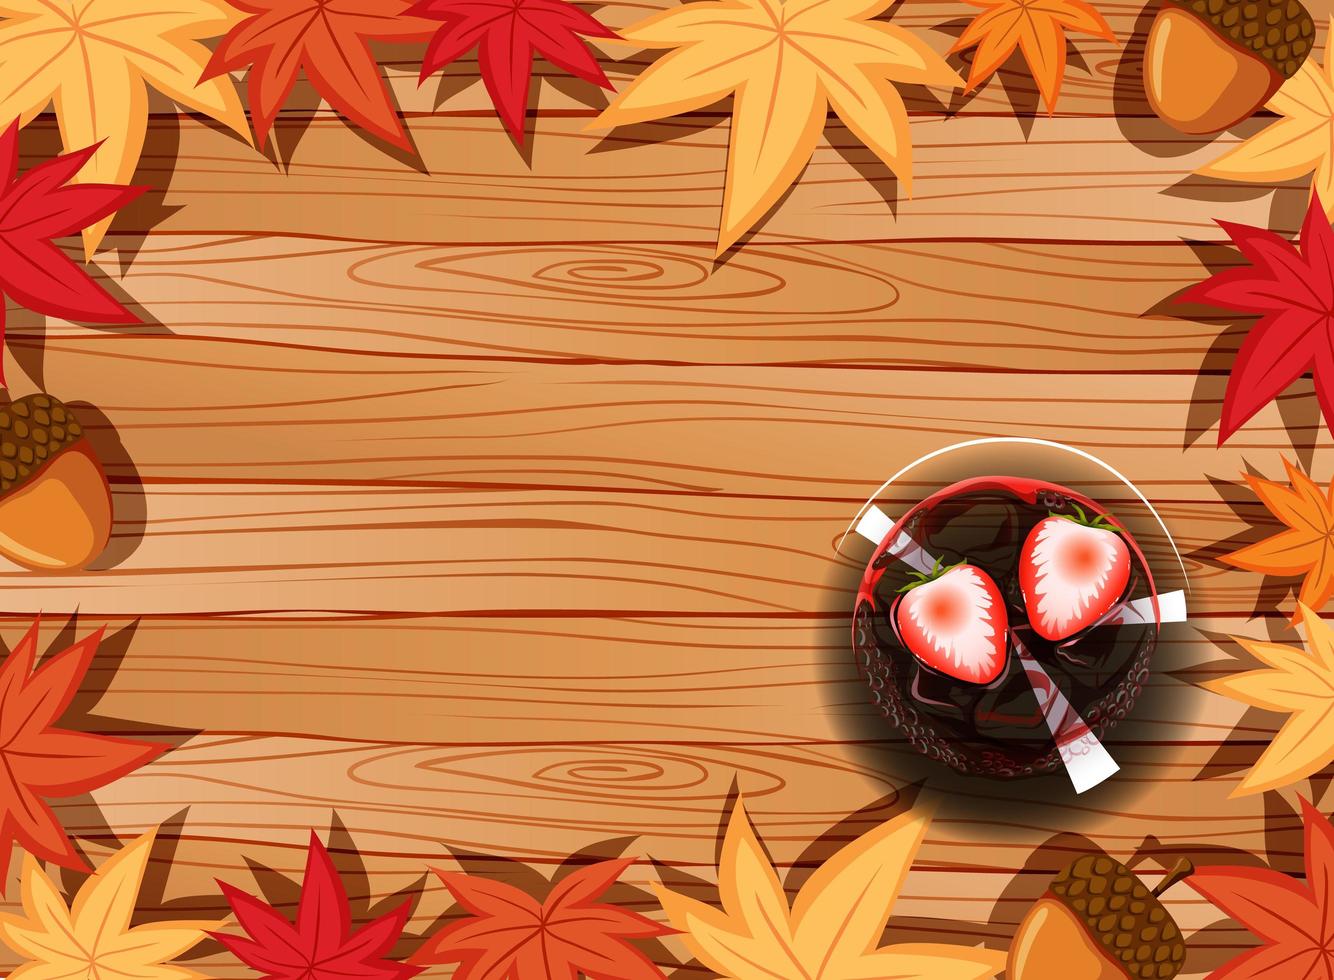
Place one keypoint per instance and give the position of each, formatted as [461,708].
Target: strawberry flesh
[956,624]
[1072,574]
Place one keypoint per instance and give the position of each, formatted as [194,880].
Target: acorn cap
[1279,31]
[1124,917]
[33,430]
[55,502]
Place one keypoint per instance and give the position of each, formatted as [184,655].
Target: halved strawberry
[954,621]
[1072,570]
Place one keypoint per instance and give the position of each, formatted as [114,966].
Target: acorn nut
[1209,64]
[1097,921]
[55,503]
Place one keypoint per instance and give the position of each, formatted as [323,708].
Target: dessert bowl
[1006,620]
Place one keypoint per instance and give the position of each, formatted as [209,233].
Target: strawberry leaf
[39,760]
[506,34]
[321,944]
[329,42]
[511,934]
[37,208]
[1293,292]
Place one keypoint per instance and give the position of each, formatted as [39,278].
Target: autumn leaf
[1293,919]
[41,760]
[1295,682]
[1305,546]
[321,944]
[329,41]
[511,934]
[833,928]
[506,34]
[94,940]
[1037,28]
[1298,143]
[1292,290]
[37,208]
[94,61]
[785,64]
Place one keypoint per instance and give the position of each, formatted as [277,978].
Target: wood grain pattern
[408,806]
[211,549]
[467,681]
[420,778]
[1061,309]
[951,901]
[976,177]
[473,502]
[298,416]
[558,798]
[1103,78]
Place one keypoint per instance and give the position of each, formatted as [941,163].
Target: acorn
[55,503]
[1209,64]
[1098,922]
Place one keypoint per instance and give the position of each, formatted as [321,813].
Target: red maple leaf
[1295,921]
[1293,291]
[506,34]
[37,208]
[322,945]
[39,760]
[329,40]
[512,935]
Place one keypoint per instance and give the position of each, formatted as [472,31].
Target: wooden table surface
[470,509]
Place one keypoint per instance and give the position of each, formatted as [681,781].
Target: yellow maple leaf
[785,64]
[94,940]
[832,930]
[1306,544]
[1298,683]
[94,59]
[1298,143]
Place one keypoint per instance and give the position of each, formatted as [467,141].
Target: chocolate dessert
[1092,636]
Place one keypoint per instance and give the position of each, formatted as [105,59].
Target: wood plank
[255,799]
[613,587]
[938,903]
[243,548]
[986,306]
[533,802]
[414,784]
[976,177]
[174,410]
[1103,78]
[488,681]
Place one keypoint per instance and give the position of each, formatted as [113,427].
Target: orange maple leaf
[1035,27]
[1305,546]
[572,933]
[1290,916]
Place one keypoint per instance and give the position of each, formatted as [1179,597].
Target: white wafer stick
[1171,609]
[875,525]
[1087,761]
